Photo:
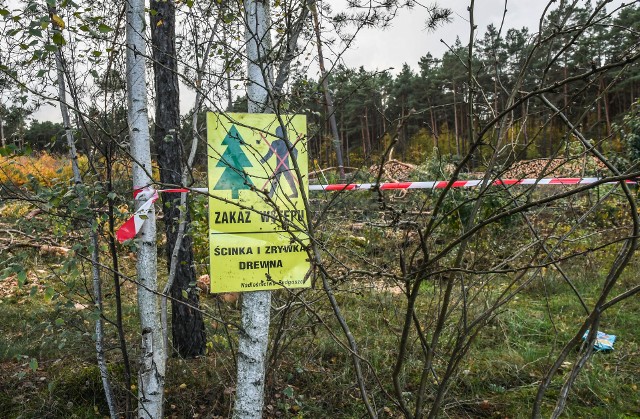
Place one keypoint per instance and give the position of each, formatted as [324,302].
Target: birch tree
[252,347]
[152,351]
[93,225]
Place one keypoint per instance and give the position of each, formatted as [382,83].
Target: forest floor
[48,368]
[47,352]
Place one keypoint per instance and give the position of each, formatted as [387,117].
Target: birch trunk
[4,140]
[256,306]
[152,356]
[95,257]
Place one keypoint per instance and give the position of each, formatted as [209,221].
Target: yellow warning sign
[257,220]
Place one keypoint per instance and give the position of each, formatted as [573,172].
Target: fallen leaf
[58,22]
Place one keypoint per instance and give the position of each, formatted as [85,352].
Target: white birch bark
[4,140]
[256,306]
[258,42]
[152,357]
[95,257]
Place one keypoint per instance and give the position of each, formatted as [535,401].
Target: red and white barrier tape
[132,226]
[456,184]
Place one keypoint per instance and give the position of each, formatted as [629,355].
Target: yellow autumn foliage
[45,168]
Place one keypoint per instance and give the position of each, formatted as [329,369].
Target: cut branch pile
[397,171]
[393,171]
[540,168]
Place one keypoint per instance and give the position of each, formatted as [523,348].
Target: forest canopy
[433,99]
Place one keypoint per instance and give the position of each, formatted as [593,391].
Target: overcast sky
[406,40]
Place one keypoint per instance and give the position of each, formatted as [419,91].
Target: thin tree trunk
[565,90]
[525,119]
[291,51]
[403,133]
[187,324]
[367,134]
[152,350]
[605,100]
[4,140]
[328,100]
[344,139]
[364,141]
[95,257]
[227,68]
[470,82]
[256,306]
[434,128]
[117,288]
[455,120]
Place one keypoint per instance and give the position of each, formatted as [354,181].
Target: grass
[314,377]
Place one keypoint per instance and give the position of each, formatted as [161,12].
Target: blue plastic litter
[603,342]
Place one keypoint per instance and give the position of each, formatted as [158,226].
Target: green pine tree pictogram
[234,178]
